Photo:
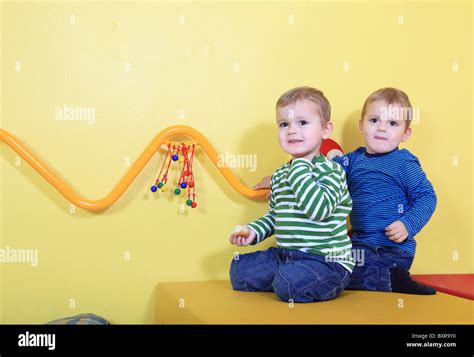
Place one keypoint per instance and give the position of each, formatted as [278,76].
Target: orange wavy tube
[132,173]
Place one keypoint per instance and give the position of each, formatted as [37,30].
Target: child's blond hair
[390,96]
[308,93]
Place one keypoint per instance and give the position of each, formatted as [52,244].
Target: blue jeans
[293,275]
[374,272]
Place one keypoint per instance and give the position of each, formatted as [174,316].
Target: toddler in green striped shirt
[309,204]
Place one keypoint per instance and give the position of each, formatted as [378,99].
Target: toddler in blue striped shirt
[392,197]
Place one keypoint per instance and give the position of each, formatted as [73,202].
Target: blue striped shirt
[386,188]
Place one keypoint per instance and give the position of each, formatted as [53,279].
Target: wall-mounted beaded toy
[183,154]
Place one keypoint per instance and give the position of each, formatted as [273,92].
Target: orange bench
[461,285]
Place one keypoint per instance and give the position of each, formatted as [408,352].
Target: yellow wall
[1,164]
[193,67]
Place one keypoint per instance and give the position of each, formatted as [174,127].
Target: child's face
[300,130]
[383,127]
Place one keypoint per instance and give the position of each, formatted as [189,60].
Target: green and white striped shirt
[309,204]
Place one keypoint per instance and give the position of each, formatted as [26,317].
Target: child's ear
[406,135]
[361,123]
[327,130]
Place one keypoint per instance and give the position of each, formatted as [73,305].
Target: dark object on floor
[82,319]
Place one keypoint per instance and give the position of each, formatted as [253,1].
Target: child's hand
[396,232]
[242,236]
[265,183]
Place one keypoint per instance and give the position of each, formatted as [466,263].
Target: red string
[192,174]
[187,167]
[185,157]
[165,176]
[162,166]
